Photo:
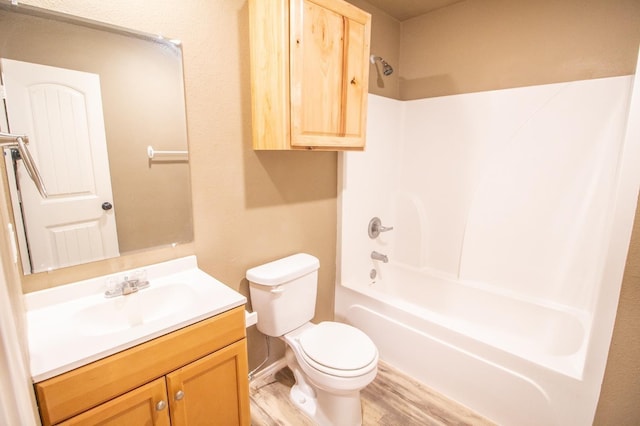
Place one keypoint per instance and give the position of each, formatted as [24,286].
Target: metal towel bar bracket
[8,140]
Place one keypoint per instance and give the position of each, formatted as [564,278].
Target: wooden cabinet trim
[269,35]
[69,394]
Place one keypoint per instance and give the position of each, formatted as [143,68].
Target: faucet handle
[128,287]
[375,228]
[113,287]
[138,278]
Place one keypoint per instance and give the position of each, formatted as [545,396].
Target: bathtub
[551,336]
[517,362]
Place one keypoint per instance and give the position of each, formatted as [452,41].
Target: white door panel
[61,112]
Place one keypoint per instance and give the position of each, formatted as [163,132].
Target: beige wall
[494,44]
[385,39]
[618,404]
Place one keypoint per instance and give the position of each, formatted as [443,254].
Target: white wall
[510,188]
[368,182]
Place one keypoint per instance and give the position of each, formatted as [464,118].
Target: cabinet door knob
[179,395]
[161,405]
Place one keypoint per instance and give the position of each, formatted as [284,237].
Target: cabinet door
[213,390]
[329,47]
[146,405]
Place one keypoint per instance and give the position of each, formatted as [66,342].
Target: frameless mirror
[91,99]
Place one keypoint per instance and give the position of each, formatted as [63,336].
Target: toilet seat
[338,349]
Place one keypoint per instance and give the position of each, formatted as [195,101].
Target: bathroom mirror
[137,80]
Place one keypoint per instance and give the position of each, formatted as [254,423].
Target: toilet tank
[283,293]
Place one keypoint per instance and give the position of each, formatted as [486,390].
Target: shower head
[386,68]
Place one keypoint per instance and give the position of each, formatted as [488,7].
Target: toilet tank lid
[283,270]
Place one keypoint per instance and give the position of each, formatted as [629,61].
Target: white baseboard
[267,374]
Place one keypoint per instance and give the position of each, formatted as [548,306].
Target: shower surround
[511,214]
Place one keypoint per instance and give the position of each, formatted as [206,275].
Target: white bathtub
[516,362]
[549,335]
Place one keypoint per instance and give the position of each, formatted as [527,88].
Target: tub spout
[379,256]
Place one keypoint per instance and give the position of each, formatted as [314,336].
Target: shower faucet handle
[375,227]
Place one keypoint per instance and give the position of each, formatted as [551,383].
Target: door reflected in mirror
[91,99]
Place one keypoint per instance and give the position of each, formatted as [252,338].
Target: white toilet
[331,361]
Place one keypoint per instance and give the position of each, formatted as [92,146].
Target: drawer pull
[161,405]
[179,395]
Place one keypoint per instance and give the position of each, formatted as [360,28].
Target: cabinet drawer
[68,394]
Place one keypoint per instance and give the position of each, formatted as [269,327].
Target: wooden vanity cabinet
[309,74]
[193,376]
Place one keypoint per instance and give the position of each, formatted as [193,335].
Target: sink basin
[123,312]
[72,325]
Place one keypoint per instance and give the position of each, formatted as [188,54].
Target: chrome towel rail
[152,153]
[8,140]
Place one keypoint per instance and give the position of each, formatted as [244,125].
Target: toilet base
[304,402]
[343,410]
[324,408]
[339,410]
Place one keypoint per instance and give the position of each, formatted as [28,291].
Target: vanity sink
[75,324]
[143,307]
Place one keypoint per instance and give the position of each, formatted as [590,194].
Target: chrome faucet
[131,283]
[379,256]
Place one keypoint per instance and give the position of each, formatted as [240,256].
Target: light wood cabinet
[309,74]
[193,376]
[136,407]
[208,391]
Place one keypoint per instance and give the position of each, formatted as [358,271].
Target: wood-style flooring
[391,399]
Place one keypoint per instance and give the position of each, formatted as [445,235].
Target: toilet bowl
[334,356]
[330,371]
[331,362]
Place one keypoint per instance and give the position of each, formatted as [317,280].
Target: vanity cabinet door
[146,405]
[213,390]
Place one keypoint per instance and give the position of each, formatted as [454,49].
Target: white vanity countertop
[74,324]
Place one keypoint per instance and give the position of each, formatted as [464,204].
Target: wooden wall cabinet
[309,74]
[196,375]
